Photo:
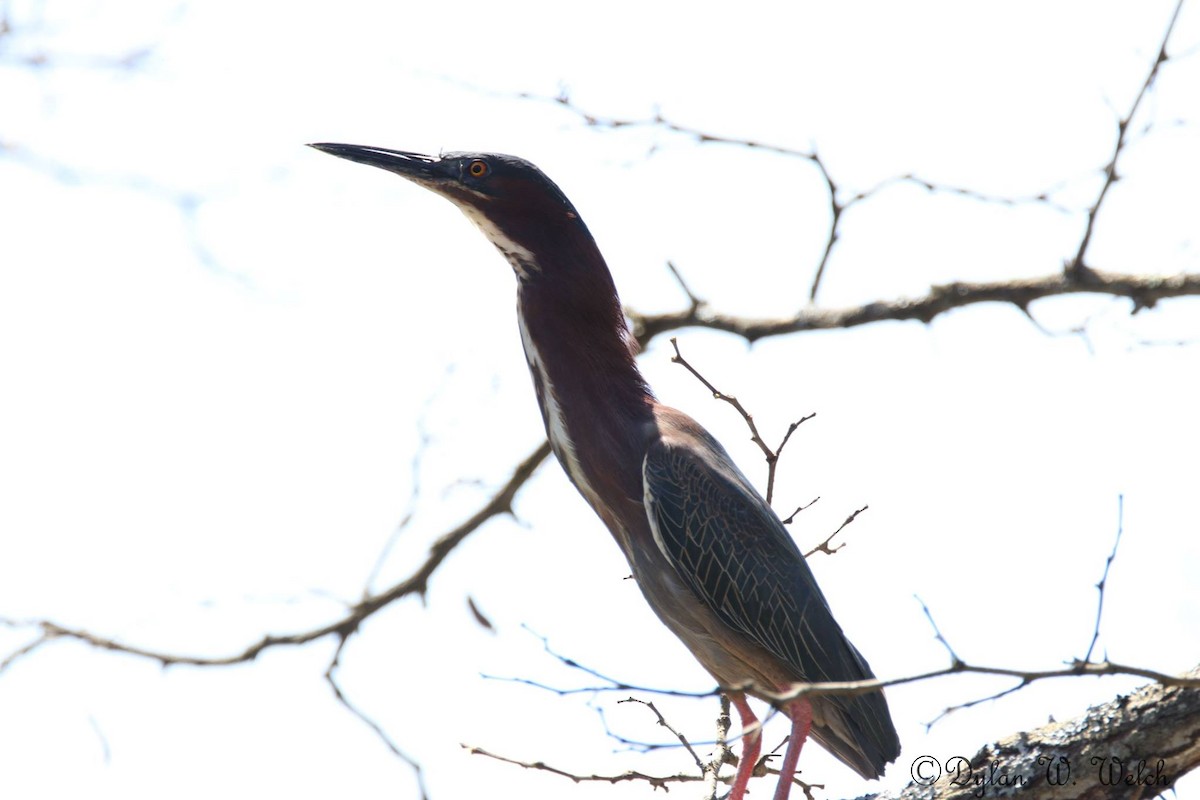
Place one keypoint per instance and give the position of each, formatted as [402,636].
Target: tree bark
[1134,747]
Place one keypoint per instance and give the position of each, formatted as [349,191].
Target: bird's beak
[427,171]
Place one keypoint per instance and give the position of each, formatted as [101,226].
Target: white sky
[207,427]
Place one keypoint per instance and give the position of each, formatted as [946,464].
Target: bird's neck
[595,403]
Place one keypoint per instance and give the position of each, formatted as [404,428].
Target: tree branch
[1133,747]
[837,206]
[1077,267]
[771,456]
[658,782]
[1144,290]
[1102,585]
[346,626]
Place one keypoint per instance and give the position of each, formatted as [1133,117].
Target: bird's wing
[729,548]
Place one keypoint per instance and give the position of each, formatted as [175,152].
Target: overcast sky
[231,363]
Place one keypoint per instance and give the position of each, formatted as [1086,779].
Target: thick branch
[1144,290]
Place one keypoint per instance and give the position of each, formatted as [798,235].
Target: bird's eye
[478,168]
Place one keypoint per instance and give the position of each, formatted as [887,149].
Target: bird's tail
[857,730]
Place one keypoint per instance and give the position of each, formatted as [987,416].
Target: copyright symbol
[925,770]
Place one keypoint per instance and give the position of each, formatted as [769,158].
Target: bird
[710,556]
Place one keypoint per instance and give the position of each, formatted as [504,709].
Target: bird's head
[524,214]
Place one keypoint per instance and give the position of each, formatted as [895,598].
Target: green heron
[712,559]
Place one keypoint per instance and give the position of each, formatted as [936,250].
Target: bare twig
[824,547]
[948,710]
[657,781]
[26,648]
[415,583]
[1043,198]
[694,302]
[105,749]
[792,517]
[763,768]
[479,616]
[709,773]
[937,633]
[657,120]
[340,696]
[1077,267]
[1104,578]
[610,684]
[414,493]
[771,456]
[662,721]
[837,206]
[836,209]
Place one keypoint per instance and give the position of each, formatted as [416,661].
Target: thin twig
[771,456]
[1076,266]
[414,494]
[694,302]
[1104,578]
[792,517]
[948,710]
[662,721]
[610,684]
[937,633]
[376,728]
[657,781]
[824,547]
[414,584]
[837,206]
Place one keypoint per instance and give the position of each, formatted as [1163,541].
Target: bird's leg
[801,713]
[751,745]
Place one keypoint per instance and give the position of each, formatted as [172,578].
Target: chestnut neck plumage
[595,404]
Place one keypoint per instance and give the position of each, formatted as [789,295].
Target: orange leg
[751,746]
[801,713]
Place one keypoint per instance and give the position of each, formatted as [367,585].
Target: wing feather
[731,550]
